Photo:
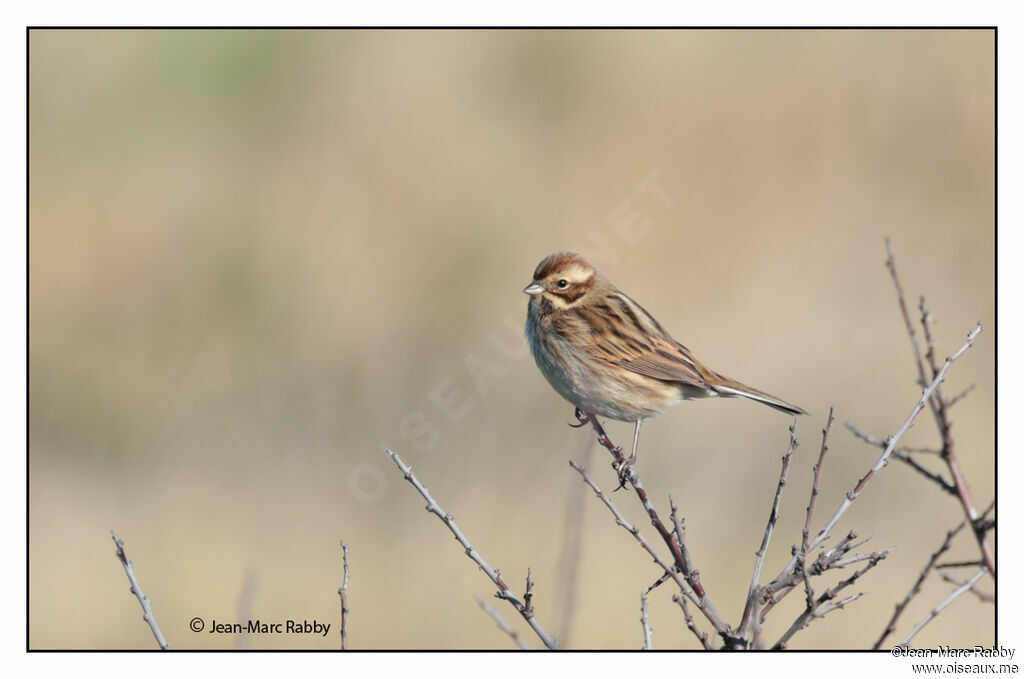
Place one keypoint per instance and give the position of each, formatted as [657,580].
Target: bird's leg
[621,464]
[636,439]
[602,438]
[625,467]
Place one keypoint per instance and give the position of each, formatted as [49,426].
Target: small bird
[607,356]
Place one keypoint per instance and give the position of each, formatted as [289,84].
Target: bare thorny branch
[670,571]
[826,603]
[939,404]
[747,634]
[928,369]
[807,561]
[985,597]
[524,607]
[751,611]
[144,601]
[762,598]
[682,562]
[691,624]
[938,609]
[903,455]
[800,572]
[806,534]
[916,587]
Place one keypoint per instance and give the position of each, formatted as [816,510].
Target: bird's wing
[622,333]
[666,364]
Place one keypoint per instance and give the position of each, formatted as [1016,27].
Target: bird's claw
[582,418]
[623,466]
[624,469]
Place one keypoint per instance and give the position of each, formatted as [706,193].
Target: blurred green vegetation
[254,255]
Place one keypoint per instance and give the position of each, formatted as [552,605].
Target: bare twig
[938,609]
[890,262]
[902,455]
[691,574]
[969,563]
[716,621]
[632,529]
[343,594]
[913,464]
[798,570]
[940,407]
[702,601]
[806,533]
[826,602]
[144,601]
[856,558]
[929,338]
[964,493]
[863,482]
[702,637]
[817,478]
[953,401]
[778,588]
[682,562]
[915,450]
[986,597]
[644,623]
[448,520]
[916,588]
[815,613]
[750,611]
[638,487]
[502,625]
[983,523]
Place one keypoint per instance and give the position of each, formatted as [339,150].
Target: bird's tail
[729,387]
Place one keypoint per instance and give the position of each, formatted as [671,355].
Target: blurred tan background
[258,257]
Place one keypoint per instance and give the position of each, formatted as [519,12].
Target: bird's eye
[563,283]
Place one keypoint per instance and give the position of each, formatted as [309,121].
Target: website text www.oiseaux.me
[976,660]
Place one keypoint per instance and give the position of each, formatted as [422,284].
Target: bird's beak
[533,289]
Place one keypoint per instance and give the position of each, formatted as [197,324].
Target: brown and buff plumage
[607,356]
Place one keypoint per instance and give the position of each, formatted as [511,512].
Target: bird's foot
[582,418]
[623,466]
